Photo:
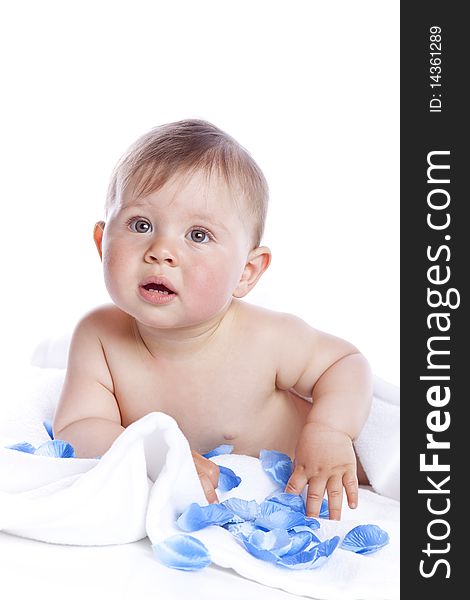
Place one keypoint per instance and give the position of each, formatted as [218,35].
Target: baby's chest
[217,397]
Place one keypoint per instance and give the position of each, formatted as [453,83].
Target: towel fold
[146,480]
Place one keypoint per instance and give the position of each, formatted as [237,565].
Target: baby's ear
[258,261]
[98,235]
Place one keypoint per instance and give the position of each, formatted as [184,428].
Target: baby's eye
[140,225]
[199,236]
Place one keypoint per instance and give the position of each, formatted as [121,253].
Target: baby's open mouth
[159,288]
[155,289]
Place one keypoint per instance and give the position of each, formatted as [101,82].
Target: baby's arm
[87,415]
[338,378]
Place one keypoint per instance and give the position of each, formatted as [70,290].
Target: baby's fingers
[208,473]
[297,481]
[351,486]
[334,487]
[208,488]
[315,493]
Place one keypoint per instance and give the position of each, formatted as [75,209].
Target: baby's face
[175,257]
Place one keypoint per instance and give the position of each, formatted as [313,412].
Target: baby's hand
[208,475]
[324,459]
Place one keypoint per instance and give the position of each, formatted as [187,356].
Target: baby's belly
[276,425]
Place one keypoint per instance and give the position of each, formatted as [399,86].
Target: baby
[180,249]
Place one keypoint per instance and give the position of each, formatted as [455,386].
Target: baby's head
[185,214]
[183,148]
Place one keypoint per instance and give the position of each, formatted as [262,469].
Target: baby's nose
[161,251]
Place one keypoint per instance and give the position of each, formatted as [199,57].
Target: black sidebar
[435,332]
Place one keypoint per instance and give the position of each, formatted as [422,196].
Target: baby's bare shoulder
[270,322]
[104,311]
[104,320]
[96,332]
[281,341]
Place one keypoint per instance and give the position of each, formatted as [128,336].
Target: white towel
[36,390]
[378,445]
[142,484]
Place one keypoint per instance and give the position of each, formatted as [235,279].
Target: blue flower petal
[56,448]
[365,539]
[240,531]
[312,522]
[301,541]
[244,510]
[23,447]
[227,479]
[277,541]
[312,558]
[197,517]
[292,501]
[266,555]
[276,516]
[48,427]
[182,552]
[324,512]
[299,528]
[223,449]
[277,465]
[268,546]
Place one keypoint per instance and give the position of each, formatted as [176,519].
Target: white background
[310,88]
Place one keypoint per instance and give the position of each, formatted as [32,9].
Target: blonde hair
[188,146]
